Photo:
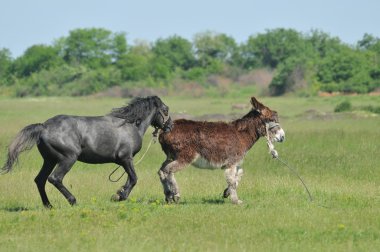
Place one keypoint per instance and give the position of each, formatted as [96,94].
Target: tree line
[94,59]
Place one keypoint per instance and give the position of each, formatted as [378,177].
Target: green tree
[35,59]
[177,50]
[272,48]
[5,65]
[322,43]
[92,47]
[291,75]
[211,47]
[160,68]
[369,42]
[134,65]
[345,70]
[119,46]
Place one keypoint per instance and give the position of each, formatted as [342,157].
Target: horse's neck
[144,125]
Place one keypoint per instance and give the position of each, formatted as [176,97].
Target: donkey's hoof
[116,198]
[169,199]
[226,193]
[237,202]
[176,198]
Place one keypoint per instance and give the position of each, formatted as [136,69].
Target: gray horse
[113,138]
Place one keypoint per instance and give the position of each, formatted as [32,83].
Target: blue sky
[24,23]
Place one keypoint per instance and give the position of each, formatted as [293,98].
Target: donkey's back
[205,144]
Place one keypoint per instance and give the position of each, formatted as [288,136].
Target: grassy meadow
[337,154]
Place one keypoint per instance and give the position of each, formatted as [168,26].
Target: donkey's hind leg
[168,180]
[233,176]
[56,178]
[41,178]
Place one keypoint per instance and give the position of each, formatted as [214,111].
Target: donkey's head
[270,119]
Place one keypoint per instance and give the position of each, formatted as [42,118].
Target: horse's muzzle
[168,125]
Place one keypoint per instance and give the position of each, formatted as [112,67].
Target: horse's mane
[137,109]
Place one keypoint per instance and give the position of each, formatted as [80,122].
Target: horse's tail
[25,140]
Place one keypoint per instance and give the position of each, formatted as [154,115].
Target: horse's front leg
[124,191]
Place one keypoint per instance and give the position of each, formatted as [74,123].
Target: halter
[269,126]
[164,117]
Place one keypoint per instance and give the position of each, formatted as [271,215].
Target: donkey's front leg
[238,175]
[233,176]
[168,181]
[165,184]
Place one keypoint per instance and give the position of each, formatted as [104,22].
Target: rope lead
[154,139]
[299,177]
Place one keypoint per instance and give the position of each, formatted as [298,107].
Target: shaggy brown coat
[213,145]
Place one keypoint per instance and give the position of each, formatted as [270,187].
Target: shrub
[343,106]
[372,109]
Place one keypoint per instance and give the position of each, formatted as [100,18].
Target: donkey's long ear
[256,104]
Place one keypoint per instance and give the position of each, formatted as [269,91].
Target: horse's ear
[157,101]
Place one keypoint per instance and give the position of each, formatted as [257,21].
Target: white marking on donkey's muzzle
[279,136]
[275,132]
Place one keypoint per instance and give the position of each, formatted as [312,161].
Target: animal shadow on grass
[14,208]
[213,201]
[208,201]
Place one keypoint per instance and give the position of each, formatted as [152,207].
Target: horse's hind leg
[56,178]
[41,178]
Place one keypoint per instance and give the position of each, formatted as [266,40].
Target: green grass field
[336,154]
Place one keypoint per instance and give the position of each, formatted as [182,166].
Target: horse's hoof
[115,198]
[48,206]
[72,201]
[226,193]
[120,191]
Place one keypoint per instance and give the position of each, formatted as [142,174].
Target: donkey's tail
[25,140]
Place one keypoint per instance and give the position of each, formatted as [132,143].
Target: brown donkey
[216,145]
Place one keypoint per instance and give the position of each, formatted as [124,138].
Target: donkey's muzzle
[279,135]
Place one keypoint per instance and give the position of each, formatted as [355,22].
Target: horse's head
[270,119]
[162,119]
